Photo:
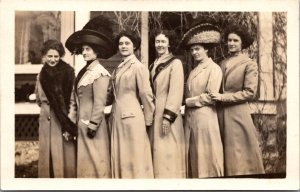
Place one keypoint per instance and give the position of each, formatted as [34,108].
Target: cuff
[192,101]
[169,115]
[92,125]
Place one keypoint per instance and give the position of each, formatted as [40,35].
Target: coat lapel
[196,71]
[121,70]
[199,69]
[239,61]
[161,65]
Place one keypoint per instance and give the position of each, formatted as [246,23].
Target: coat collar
[161,65]
[163,59]
[92,65]
[234,61]
[123,66]
[200,68]
[89,68]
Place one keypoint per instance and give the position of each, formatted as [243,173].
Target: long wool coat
[168,150]
[130,146]
[87,110]
[203,139]
[241,147]
[54,152]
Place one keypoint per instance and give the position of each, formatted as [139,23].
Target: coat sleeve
[110,93]
[68,86]
[145,92]
[73,107]
[249,87]
[213,86]
[175,94]
[99,93]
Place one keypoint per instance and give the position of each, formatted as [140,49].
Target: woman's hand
[68,137]
[91,133]
[165,126]
[215,96]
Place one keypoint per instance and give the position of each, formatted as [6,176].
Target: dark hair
[242,32]
[53,44]
[206,46]
[96,48]
[131,35]
[171,35]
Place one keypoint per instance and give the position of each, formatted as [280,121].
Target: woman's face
[88,53]
[126,46]
[52,57]
[162,44]
[234,43]
[198,52]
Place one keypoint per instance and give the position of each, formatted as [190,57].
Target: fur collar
[57,83]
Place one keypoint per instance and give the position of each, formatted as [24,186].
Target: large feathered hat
[204,33]
[97,32]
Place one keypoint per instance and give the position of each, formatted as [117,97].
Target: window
[32,28]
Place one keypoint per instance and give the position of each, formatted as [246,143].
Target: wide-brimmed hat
[204,33]
[97,32]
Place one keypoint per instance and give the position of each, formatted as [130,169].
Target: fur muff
[57,83]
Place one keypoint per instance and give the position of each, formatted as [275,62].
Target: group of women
[145,136]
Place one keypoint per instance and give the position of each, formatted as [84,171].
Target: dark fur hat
[97,32]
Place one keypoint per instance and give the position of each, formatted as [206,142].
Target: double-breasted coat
[203,139]
[168,150]
[55,153]
[87,110]
[130,146]
[241,147]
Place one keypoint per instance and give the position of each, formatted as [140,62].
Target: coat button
[49,118]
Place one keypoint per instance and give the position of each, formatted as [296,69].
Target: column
[67,28]
[144,38]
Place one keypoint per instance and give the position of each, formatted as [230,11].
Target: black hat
[204,33]
[97,32]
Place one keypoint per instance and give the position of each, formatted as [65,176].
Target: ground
[26,159]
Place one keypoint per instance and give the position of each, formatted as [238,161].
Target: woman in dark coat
[88,99]
[202,133]
[130,88]
[53,90]
[167,133]
[242,153]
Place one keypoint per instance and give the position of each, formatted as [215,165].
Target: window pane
[32,28]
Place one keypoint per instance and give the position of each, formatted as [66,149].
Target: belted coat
[56,156]
[132,109]
[168,150]
[87,110]
[239,86]
[203,139]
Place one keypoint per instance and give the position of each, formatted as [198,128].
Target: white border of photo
[7,110]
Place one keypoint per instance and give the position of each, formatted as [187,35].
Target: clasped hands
[215,96]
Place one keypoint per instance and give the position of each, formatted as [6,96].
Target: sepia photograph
[145,95]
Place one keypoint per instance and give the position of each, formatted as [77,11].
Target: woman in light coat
[89,98]
[53,90]
[239,85]
[130,88]
[203,139]
[167,133]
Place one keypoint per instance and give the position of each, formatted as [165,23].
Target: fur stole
[57,83]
